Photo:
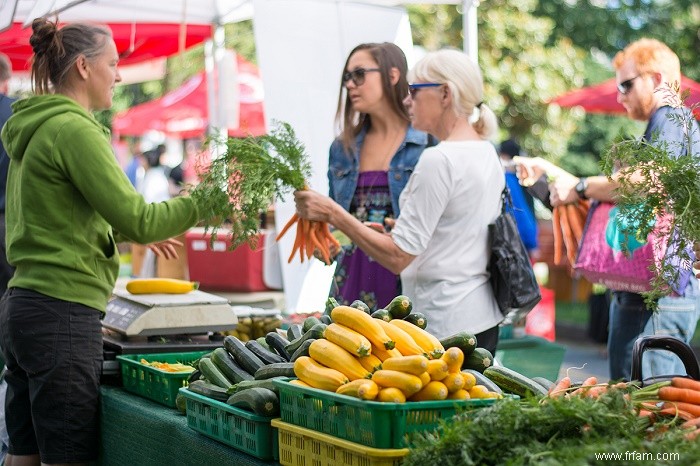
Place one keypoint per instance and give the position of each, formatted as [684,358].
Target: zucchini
[227,365]
[181,403]
[204,388]
[246,384]
[308,323]
[278,343]
[204,356]
[303,350]
[194,375]
[481,379]
[314,332]
[479,359]
[418,319]
[266,356]
[243,356]
[294,331]
[463,340]
[382,314]
[326,319]
[280,369]
[361,305]
[399,307]
[261,401]
[546,383]
[511,381]
[213,374]
[331,304]
[263,343]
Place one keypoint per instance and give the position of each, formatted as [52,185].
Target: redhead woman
[370,162]
[68,204]
[439,243]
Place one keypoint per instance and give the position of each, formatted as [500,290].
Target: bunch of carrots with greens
[675,401]
[240,184]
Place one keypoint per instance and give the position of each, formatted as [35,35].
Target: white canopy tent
[301,45]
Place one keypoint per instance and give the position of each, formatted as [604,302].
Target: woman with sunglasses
[439,243]
[370,162]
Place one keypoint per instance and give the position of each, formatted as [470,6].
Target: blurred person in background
[439,243]
[644,69]
[370,162]
[523,204]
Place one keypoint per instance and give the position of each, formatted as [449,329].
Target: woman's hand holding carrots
[567,223]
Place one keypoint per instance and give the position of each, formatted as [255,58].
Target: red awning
[602,98]
[135,42]
[183,113]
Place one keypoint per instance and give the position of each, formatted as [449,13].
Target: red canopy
[135,42]
[602,98]
[183,113]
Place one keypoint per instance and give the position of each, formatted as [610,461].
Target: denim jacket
[344,168]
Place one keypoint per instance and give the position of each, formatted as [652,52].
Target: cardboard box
[218,268]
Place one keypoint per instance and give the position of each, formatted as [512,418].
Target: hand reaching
[165,249]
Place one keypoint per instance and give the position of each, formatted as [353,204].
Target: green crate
[154,384]
[371,423]
[232,426]
[531,356]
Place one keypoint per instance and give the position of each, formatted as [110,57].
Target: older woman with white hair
[439,243]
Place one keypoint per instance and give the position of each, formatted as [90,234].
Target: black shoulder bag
[512,278]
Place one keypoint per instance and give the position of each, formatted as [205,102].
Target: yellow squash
[371,362]
[318,376]
[391,395]
[331,355]
[409,384]
[361,388]
[430,344]
[362,323]
[415,365]
[160,286]
[433,391]
[348,339]
[403,341]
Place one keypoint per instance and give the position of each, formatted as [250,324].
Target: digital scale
[163,323]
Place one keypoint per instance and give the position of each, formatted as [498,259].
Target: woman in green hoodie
[68,204]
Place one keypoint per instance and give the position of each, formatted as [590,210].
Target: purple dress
[357,276]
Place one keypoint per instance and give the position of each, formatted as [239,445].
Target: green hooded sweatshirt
[66,196]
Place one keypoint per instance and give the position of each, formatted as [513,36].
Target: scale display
[168,314]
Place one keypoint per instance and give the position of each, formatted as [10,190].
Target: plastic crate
[232,426]
[304,447]
[154,384]
[371,423]
[531,356]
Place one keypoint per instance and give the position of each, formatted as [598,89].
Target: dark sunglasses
[625,86]
[357,76]
[414,88]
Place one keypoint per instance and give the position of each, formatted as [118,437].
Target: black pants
[488,339]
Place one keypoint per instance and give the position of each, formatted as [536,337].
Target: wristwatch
[581,187]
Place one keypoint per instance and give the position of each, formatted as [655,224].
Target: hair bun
[44,33]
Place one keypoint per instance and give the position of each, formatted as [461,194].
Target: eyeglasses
[414,88]
[625,86]
[358,75]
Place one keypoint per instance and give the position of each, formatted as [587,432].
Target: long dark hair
[56,50]
[387,56]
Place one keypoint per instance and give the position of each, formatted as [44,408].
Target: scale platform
[146,315]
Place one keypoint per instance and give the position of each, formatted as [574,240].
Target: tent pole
[471,41]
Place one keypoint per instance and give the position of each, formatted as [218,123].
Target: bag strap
[506,199]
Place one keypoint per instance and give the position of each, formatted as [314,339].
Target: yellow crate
[304,447]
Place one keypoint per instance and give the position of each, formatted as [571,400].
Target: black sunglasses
[414,88]
[357,76]
[625,86]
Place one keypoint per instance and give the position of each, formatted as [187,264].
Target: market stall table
[135,430]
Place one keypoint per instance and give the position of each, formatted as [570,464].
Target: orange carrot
[588,383]
[569,241]
[287,226]
[680,394]
[682,406]
[561,387]
[556,229]
[575,222]
[673,412]
[692,435]
[596,391]
[684,382]
[692,423]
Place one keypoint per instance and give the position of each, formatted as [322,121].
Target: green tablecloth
[137,431]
